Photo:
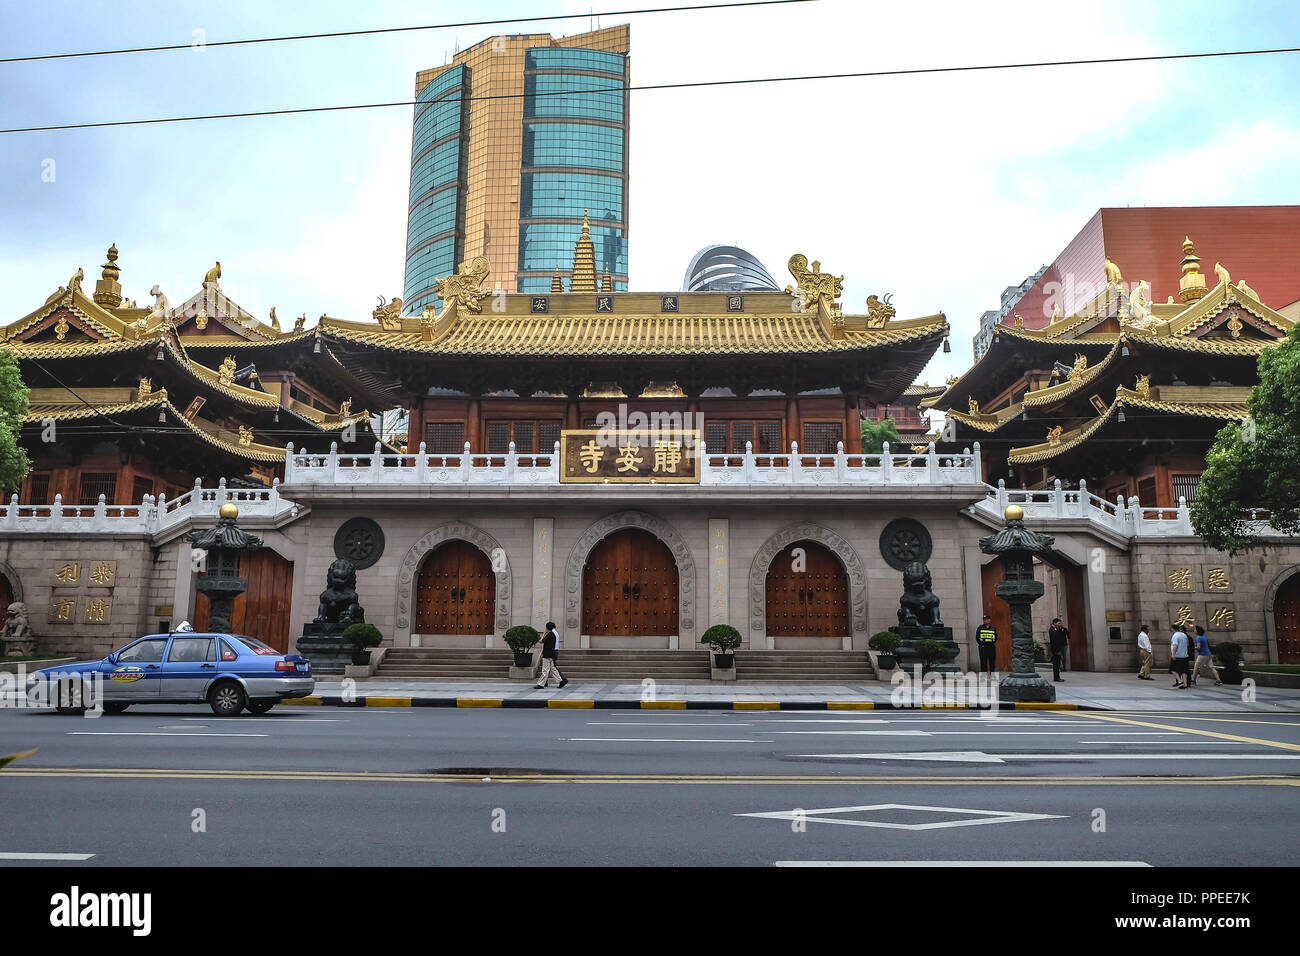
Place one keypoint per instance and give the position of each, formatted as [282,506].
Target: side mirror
[111,658]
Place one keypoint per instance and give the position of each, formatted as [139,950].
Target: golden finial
[607,281]
[557,283]
[1014,513]
[108,291]
[1192,284]
[229,510]
[586,224]
[583,276]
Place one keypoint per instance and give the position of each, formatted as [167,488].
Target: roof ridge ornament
[389,316]
[464,289]
[212,275]
[1192,284]
[1113,275]
[814,286]
[879,311]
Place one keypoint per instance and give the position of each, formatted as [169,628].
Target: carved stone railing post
[886,464]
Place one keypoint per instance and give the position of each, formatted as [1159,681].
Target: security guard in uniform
[986,638]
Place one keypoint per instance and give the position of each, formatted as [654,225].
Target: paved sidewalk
[1084,691]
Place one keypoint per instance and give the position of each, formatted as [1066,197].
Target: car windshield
[254,645]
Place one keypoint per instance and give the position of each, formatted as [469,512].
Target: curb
[573,703]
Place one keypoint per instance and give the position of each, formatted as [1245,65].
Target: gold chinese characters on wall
[636,455]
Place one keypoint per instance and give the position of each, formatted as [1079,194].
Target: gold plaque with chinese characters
[1178,577]
[1184,615]
[101,574]
[67,574]
[96,610]
[645,455]
[1217,578]
[63,610]
[1220,617]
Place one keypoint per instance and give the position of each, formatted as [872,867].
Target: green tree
[14,463]
[875,434]
[1256,463]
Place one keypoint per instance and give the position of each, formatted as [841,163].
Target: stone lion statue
[338,602]
[17,637]
[918,605]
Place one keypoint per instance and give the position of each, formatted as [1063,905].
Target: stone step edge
[591,704]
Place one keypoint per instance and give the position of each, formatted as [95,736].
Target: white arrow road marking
[123,733]
[46,856]
[979,863]
[980,817]
[660,740]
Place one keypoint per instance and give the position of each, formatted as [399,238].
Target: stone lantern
[1018,546]
[220,581]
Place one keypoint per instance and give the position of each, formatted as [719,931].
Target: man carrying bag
[550,658]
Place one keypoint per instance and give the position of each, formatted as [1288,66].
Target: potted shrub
[724,639]
[521,639]
[885,643]
[1040,653]
[365,636]
[931,652]
[1229,655]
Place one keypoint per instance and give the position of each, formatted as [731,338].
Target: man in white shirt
[1144,652]
[1178,651]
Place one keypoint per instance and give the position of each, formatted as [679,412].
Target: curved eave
[986,423]
[1222,295]
[212,380]
[1054,393]
[1045,451]
[1215,346]
[235,342]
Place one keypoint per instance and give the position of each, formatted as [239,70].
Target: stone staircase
[414,663]
[631,666]
[804,667]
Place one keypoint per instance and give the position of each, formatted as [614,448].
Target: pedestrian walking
[1204,659]
[1178,661]
[1058,639]
[986,639]
[1145,654]
[550,657]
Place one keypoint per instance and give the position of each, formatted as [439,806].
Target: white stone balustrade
[528,470]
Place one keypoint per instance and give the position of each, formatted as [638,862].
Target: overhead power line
[165,48]
[865,74]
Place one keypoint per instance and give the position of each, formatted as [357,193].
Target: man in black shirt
[1058,637]
[550,657]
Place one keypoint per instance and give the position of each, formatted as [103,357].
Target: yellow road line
[756,705]
[1036,705]
[388,702]
[1280,745]
[1235,720]
[850,705]
[478,701]
[644,779]
[663,705]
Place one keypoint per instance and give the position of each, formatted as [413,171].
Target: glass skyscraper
[511,143]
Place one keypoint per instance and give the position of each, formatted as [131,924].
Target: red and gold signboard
[644,455]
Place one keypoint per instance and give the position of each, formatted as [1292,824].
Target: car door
[189,668]
[135,672]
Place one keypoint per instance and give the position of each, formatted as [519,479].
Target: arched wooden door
[263,610]
[629,586]
[1286,619]
[456,591]
[6,595]
[807,593]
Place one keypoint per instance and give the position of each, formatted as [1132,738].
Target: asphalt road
[174,785]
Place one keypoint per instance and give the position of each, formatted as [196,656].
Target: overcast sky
[941,189]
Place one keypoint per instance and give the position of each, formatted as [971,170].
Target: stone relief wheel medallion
[361,541]
[903,541]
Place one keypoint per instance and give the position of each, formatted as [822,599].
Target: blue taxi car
[228,671]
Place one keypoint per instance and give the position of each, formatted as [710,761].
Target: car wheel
[227,699]
[260,706]
[116,708]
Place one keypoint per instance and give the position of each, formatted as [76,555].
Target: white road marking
[979,863]
[660,740]
[976,756]
[46,856]
[978,817]
[283,720]
[987,733]
[872,733]
[1017,721]
[115,733]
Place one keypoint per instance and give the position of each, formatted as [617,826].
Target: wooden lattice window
[39,488]
[140,487]
[444,438]
[820,438]
[1185,486]
[729,437]
[530,437]
[96,483]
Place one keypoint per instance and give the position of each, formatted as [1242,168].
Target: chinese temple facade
[640,466]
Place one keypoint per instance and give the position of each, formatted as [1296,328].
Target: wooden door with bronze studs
[456,591]
[629,586]
[807,593]
[262,611]
[1286,617]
